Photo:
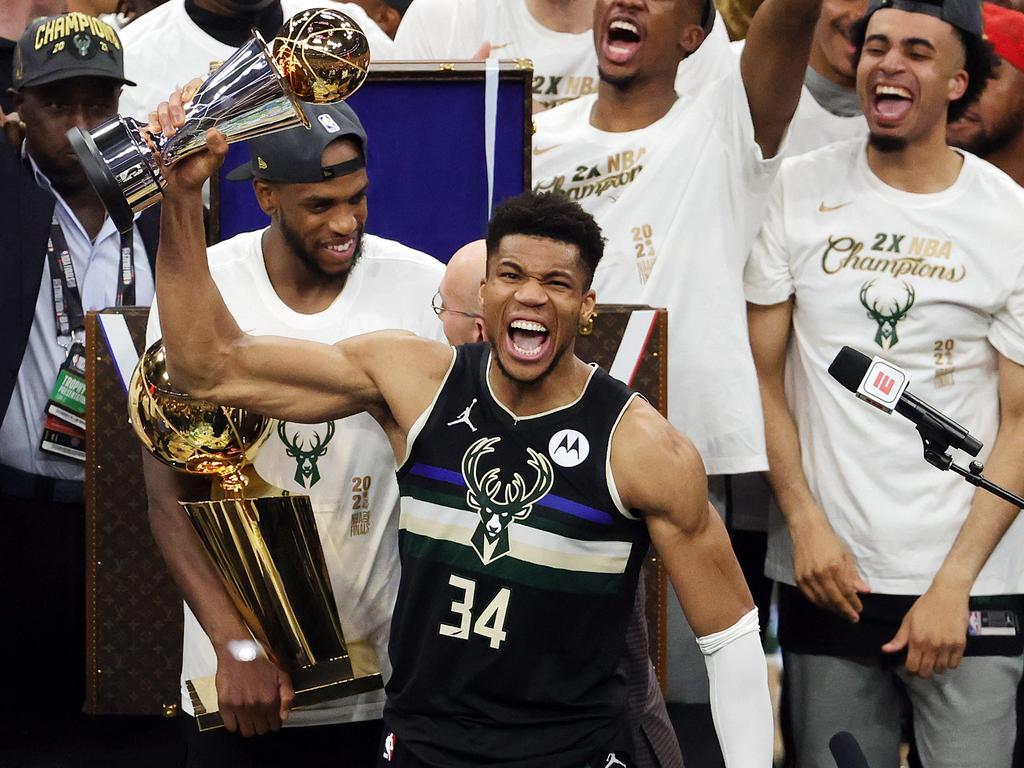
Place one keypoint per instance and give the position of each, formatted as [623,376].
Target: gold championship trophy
[266,551]
[320,55]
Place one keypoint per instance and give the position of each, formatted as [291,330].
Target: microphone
[846,751]
[885,386]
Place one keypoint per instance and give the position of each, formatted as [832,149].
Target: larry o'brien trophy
[320,55]
[266,550]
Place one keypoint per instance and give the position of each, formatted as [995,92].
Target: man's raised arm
[694,546]
[210,357]
[774,62]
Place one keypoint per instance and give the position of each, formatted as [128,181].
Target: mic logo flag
[883,384]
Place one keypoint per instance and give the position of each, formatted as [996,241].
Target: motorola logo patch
[568,448]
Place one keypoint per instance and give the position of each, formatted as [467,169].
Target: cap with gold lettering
[70,45]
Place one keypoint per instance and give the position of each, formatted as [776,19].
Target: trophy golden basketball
[266,550]
[320,55]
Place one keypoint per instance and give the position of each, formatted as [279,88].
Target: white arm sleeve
[740,704]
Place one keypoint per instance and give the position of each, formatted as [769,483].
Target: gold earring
[587,326]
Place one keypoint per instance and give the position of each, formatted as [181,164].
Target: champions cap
[55,48]
[965,15]
[294,156]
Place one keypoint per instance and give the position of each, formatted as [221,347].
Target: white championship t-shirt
[564,64]
[347,468]
[933,283]
[164,49]
[679,203]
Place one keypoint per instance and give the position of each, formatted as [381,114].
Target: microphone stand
[936,443]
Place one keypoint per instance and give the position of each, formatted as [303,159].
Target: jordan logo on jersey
[498,503]
[463,418]
[307,473]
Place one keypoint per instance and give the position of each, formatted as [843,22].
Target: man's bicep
[660,475]
[302,381]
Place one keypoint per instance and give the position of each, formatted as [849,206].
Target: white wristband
[740,704]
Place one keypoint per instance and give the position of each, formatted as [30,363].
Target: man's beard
[985,143]
[297,247]
[887,144]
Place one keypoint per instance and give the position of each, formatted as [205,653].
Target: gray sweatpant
[963,717]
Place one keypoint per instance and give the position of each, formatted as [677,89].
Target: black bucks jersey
[519,567]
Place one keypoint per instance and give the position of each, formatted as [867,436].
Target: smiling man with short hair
[907,249]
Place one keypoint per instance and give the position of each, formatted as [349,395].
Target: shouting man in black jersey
[523,526]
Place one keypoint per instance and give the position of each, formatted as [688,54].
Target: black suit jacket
[25,214]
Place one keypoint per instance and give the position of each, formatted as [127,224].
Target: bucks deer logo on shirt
[501,503]
[307,448]
[886,311]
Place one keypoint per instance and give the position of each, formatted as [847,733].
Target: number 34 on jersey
[488,620]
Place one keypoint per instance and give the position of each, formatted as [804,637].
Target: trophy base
[120,167]
[317,684]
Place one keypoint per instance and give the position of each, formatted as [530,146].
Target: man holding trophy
[312,274]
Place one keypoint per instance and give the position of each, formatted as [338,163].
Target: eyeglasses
[438,306]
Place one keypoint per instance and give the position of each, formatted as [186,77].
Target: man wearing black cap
[60,256]
[895,577]
[312,274]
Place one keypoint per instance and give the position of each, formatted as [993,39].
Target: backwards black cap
[962,14]
[294,156]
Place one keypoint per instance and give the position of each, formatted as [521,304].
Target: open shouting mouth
[528,340]
[622,40]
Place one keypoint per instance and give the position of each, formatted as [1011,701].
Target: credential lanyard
[67,296]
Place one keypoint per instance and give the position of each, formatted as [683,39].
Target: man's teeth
[528,352]
[339,248]
[892,90]
[528,325]
[625,26]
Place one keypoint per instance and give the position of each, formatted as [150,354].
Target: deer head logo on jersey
[889,315]
[498,503]
[307,474]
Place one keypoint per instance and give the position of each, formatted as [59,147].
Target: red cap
[1004,28]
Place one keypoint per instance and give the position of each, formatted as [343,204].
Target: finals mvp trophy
[320,55]
[266,550]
